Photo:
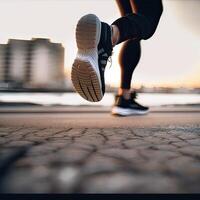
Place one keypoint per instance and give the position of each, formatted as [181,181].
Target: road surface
[87,150]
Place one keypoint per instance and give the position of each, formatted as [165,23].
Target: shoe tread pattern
[85,81]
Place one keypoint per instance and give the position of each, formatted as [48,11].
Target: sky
[170,58]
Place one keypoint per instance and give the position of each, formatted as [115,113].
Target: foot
[123,107]
[94,44]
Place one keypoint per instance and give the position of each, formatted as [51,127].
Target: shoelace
[133,98]
[134,95]
[110,60]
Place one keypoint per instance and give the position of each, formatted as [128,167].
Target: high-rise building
[47,63]
[35,63]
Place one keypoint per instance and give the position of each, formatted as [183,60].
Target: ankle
[126,93]
[115,35]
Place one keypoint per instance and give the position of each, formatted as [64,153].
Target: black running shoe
[94,44]
[125,107]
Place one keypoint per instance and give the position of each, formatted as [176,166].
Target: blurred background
[37,49]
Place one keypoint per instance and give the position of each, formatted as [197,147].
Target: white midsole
[90,56]
[127,111]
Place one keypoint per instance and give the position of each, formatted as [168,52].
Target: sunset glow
[171,58]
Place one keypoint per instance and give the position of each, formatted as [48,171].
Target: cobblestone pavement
[103,160]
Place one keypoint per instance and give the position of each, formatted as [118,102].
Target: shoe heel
[88,32]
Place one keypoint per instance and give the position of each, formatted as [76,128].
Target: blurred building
[17,51]
[35,63]
[3,75]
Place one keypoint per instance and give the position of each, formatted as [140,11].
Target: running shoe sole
[127,112]
[85,73]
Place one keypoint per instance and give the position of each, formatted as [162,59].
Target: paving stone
[62,134]
[101,164]
[34,161]
[124,154]
[36,139]
[70,155]
[42,149]
[116,137]
[158,154]
[7,129]
[156,140]
[65,180]
[79,145]
[4,140]
[122,182]
[47,132]
[111,144]
[152,166]
[19,143]
[142,132]
[162,135]
[136,143]
[75,132]
[108,132]
[91,132]
[180,144]
[195,142]
[29,181]
[191,150]
[166,147]
[22,132]
[91,140]
[187,136]
[185,166]
[59,144]
[2,134]
[174,139]
[123,133]
[102,160]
